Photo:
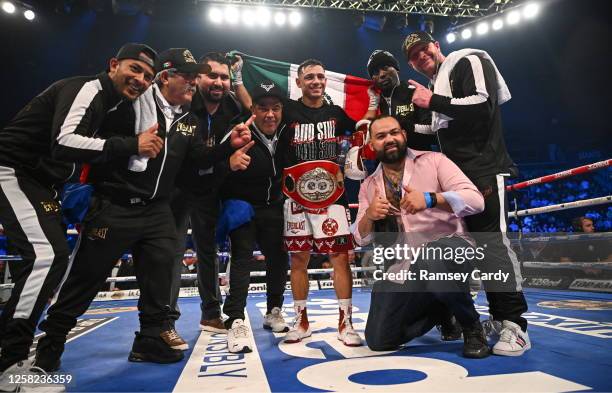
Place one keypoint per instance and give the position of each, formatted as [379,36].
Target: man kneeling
[419,197]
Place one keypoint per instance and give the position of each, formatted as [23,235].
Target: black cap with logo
[137,51]
[267,88]
[381,58]
[181,60]
[414,39]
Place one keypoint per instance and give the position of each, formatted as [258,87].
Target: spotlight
[249,17]
[215,15]
[514,17]
[451,37]
[497,24]
[280,18]
[231,15]
[466,34]
[531,10]
[295,18]
[263,16]
[8,7]
[29,14]
[482,28]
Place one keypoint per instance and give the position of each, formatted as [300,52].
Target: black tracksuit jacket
[474,139]
[56,127]
[114,180]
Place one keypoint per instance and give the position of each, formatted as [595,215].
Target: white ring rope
[562,206]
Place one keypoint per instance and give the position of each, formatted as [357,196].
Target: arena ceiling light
[280,18]
[295,18]
[8,7]
[482,28]
[263,16]
[531,10]
[231,15]
[497,24]
[514,17]
[29,15]
[249,17]
[215,15]
[253,16]
[509,17]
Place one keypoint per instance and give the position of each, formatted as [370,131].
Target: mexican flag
[346,91]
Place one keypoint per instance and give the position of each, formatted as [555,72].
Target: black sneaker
[475,344]
[450,330]
[48,354]
[154,350]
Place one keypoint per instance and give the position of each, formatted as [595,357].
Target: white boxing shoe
[346,333]
[300,329]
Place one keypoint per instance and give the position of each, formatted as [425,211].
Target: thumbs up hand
[413,201]
[240,160]
[149,144]
[379,206]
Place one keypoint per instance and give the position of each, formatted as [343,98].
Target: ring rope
[562,206]
[560,175]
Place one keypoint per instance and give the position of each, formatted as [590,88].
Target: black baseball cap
[381,58]
[137,51]
[267,88]
[181,60]
[414,39]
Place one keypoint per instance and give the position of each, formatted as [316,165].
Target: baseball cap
[267,88]
[137,51]
[381,58]
[414,39]
[181,60]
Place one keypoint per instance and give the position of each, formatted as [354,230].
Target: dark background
[557,66]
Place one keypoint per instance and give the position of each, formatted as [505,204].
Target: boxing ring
[570,326]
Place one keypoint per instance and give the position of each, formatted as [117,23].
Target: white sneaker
[24,377]
[300,329]
[275,321]
[346,333]
[239,338]
[512,341]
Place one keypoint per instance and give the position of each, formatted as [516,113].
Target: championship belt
[313,184]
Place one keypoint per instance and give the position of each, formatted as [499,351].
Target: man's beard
[209,97]
[393,157]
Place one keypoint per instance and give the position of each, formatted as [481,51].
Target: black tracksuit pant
[108,231]
[265,229]
[400,312]
[506,300]
[202,212]
[32,222]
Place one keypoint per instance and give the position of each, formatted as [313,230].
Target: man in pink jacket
[411,208]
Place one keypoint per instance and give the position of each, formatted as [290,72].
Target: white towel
[145,111]
[442,83]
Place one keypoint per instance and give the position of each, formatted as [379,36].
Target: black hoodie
[260,183]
